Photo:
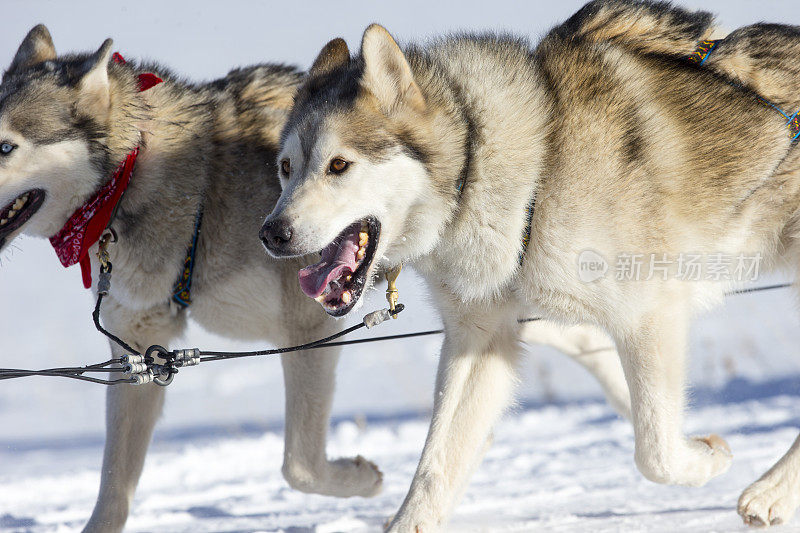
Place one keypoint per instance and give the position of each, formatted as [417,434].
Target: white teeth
[320,298]
[363,238]
[19,203]
[346,297]
[349,277]
[360,254]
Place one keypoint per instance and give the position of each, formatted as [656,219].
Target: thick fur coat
[65,124]
[628,147]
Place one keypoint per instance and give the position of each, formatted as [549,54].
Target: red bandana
[85,227]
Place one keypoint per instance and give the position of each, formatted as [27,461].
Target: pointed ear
[333,55]
[36,47]
[387,73]
[93,88]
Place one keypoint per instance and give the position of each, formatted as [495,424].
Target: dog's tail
[644,26]
[764,58]
[262,96]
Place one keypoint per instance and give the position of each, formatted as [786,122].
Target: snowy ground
[561,461]
[560,468]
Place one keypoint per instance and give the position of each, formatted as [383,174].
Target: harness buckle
[392,295]
[109,236]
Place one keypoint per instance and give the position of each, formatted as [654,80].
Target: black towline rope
[166,372]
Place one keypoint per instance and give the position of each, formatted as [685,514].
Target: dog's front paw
[420,513]
[708,458]
[107,518]
[341,478]
[356,477]
[693,464]
[110,513]
[410,525]
[771,500]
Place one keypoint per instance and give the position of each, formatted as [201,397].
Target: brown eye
[338,166]
[285,167]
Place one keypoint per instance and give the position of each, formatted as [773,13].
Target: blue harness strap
[794,126]
[702,51]
[699,56]
[182,290]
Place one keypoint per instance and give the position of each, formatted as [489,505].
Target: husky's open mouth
[338,280]
[18,212]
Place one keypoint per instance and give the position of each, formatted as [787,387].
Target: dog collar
[85,227]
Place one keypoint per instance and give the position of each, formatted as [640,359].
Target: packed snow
[562,461]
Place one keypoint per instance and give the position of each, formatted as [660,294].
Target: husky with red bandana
[87,140]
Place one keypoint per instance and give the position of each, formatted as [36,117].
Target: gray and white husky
[66,122]
[606,139]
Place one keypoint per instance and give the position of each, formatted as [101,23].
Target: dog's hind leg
[477,373]
[653,359]
[774,498]
[131,414]
[593,350]
[310,379]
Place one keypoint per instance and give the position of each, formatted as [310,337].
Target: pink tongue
[337,259]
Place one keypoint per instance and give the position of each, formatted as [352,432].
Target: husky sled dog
[67,122]
[607,138]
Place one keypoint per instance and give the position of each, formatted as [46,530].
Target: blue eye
[6,148]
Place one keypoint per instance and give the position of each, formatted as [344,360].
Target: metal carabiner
[392,294]
[163,382]
[156,349]
[159,371]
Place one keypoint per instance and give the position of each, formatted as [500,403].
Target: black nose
[276,234]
